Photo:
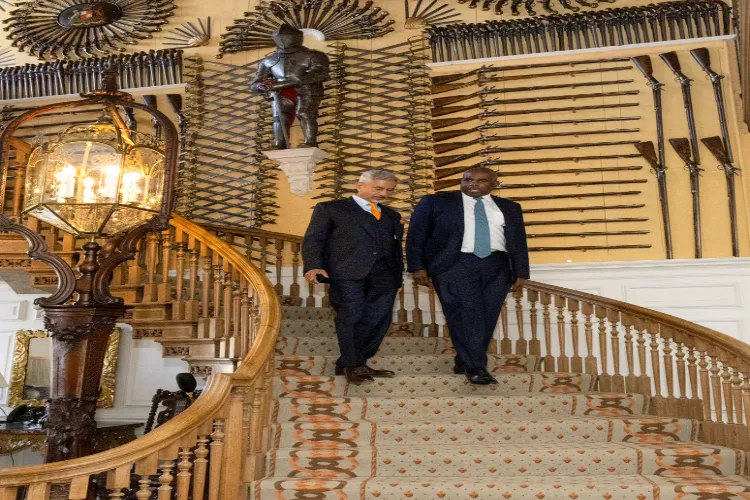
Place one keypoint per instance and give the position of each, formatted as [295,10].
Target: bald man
[471,246]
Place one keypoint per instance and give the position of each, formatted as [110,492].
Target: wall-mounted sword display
[585,234]
[48,29]
[188,35]
[584,221]
[443,184]
[716,146]
[515,5]
[424,15]
[448,172]
[142,69]
[584,248]
[610,27]
[684,151]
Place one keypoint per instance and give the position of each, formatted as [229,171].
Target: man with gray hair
[355,245]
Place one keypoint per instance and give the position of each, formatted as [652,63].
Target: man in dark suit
[471,246]
[355,243]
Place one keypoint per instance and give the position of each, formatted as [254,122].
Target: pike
[452,146]
[581,209]
[446,172]
[671,60]
[448,122]
[446,110]
[587,247]
[439,185]
[646,149]
[716,147]
[584,221]
[703,59]
[439,89]
[442,161]
[574,195]
[452,134]
[445,101]
[682,148]
[442,79]
[585,234]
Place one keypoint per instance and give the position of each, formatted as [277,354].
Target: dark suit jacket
[346,241]
[436,232]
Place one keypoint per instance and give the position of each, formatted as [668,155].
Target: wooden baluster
[227,311]
[643,385]
[245,319]
[10,493]
[563,362]
[549,360]
[178,307]
[658,400]
[191,306]
[151,258]
[402,316]
[605,379]
[164,290]
[746,405]
[200,464]
[38,491]
[216,460]
[326,301]
[135,271]
[705,385]
[145,468]
[714,370]
[618,381]
[535,345]
[206,290]
[432,331]
[310,300]
[522,346]
[294,289]
[588,310]
[692,368]
[18,186]
[165,480]
[184,466]
[117,480]
[576,361]
[741,434]
[681,378]
[726,378]
[217,328]
[249,240]
[263,242]
[506,346]
[630,378]
[416,313]
[237,353]
[668,373]
[279,286]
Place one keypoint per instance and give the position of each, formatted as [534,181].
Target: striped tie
[375,210]
[482,247]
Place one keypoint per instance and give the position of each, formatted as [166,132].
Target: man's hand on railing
[312,275]
[518,285]
[422,278]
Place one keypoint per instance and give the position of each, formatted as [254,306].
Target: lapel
[508,220]
[459,209]
[364,218]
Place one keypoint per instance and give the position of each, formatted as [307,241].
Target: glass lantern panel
[85,218]
[101,133]
[45,214]
[143,179]
[35,178]
[125,218]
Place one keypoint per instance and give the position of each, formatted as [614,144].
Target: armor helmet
[287,37]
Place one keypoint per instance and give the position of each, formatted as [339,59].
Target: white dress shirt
[364,203]
[495,218]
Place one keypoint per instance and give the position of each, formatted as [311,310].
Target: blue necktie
[482,247]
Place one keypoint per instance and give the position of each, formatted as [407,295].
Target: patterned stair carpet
[429,434]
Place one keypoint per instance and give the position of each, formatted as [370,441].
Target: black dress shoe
[459,370]
[479,376]
[381,373]
[357,374]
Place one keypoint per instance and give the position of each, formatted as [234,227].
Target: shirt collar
[467,197]
[362,202]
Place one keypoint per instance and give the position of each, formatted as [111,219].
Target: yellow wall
[294,211]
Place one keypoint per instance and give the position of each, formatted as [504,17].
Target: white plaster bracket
[298,164]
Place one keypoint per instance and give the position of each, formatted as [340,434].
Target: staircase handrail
[224,396]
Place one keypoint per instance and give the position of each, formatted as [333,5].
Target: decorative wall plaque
[52,30]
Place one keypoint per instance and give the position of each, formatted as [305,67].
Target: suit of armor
[293,76]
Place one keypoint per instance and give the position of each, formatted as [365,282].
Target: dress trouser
[472,293]
[364,311]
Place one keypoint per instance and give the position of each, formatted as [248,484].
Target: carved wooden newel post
[123,194]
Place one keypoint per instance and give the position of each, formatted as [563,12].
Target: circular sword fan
[79,28]
[336,20]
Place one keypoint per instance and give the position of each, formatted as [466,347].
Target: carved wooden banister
[189,455]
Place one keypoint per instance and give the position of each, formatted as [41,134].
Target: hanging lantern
[95,179]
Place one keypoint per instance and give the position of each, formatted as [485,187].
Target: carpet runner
[429,434]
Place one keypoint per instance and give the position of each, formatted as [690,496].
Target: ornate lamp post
[98,180]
